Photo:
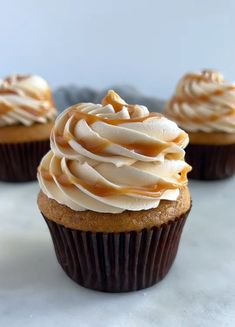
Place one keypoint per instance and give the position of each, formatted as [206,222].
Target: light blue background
[149,44]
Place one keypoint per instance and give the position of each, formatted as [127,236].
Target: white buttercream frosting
[203,102]
[25,100]
[112,157]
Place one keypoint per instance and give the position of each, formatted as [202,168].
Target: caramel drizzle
[207,76]
[100,188]
[5,108]
[6,89]
[103,190]
[99,147]
[117,102]
[91,119]
[15,78]
[198,120]
[29,93]
[199,99]
[41,112]
[195,120]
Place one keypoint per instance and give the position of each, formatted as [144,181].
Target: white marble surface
[198,291]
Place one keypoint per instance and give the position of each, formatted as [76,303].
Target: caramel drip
[36,113]
[45,174]
[197,78]
[6,91]
[7,88]
[117,102]
[15,78]
[61,141]
[64,180]
[197,100]
[29,93]
[192,99]
[179,139]
[206,76]
[104,190]
[99,147]
[4,108]
[44,96]
[198,120]
[91,119]
[146,149]
[34,95]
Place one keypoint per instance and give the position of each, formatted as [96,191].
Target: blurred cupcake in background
[204,106]
[27,114]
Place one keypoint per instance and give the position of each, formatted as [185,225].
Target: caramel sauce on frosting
[67,145]
[103,190]
[4,109]
[7,90]
[91,119]
[25,99]
[99,147]
[203,101]
[151,150]
[117,102]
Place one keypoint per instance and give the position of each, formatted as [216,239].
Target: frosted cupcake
[204,106]
[27,114]
[114,194]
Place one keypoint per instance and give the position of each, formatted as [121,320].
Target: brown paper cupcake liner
[211,162]
[19,161]
[117,262]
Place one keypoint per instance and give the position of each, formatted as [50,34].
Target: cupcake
[27,114]
[114,194]
[204,106]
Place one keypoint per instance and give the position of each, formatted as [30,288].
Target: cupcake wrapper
[211,162]
[19,161]
[117,262]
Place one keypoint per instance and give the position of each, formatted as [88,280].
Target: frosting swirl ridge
[25,99]
[112,157]
[203,102]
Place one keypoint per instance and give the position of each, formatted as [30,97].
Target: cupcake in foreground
[27,114]
[204,106]
[114,194]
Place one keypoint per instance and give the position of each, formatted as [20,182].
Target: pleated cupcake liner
[211,162]
[19,161]
[117,262]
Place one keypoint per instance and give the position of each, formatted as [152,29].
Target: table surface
[198,291]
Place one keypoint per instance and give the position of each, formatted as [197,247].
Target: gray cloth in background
[67,96]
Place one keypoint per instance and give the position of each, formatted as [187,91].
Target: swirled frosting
[203,102]
[112,157]
[25,100]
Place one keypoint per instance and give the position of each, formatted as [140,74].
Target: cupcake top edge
[112,157]
[25,100]
[203,102]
